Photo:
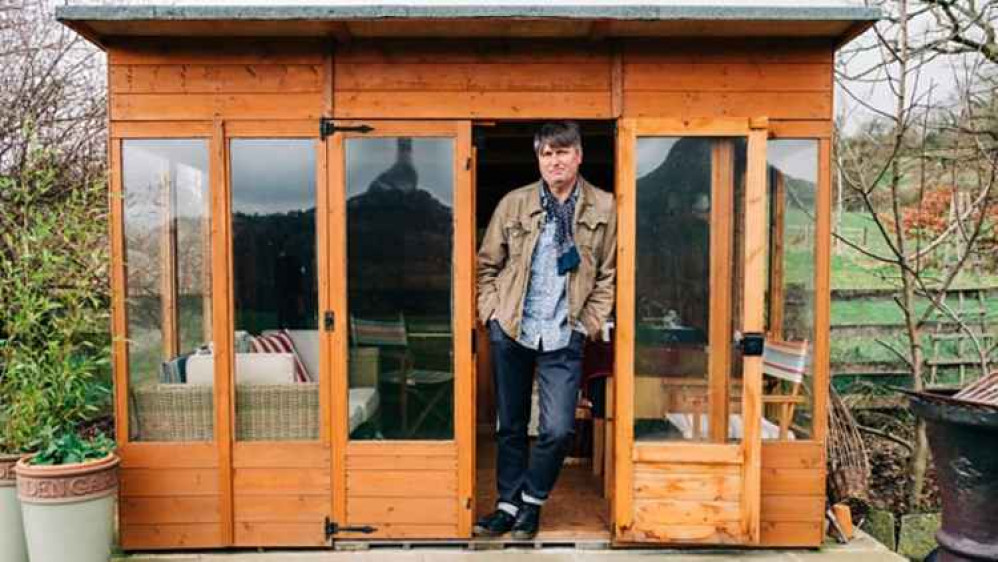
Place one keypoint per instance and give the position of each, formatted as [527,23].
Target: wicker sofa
[264,411]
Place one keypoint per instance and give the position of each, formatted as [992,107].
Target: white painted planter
[12,546]
[69,510]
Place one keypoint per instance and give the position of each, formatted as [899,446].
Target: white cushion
[684,423]
[364,404]
[307,345]
[251,368]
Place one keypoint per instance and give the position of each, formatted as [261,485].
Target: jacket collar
[534,203]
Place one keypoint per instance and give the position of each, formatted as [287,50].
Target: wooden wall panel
[778,79]
[169,536]
[459,79]
[242,79]
[281,493]
[793,494]
[404,490]
[686,499]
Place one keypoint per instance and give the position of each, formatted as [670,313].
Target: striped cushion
[785,360]
[378,332]
[280,342]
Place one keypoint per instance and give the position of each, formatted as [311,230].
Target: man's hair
[558,134]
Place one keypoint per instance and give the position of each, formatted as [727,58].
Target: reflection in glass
[793,177]
[275,285]
[168,295]
[678,179]
[400,237]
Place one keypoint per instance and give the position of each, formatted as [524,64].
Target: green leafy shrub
[70,448]
[53,299]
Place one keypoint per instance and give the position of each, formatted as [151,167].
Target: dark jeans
[518,469]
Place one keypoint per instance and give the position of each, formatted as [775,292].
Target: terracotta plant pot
[12,545]
[68,509]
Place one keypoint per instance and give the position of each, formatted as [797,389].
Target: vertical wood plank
[822,290]
[617,83]
[339,352]
[328,78]
[221,236]
[119,294]
[753,321]
[721,255]
[464,325]
[322,257]
[168,265]
[777,232]
[623,496]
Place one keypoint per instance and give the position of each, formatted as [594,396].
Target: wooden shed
[297,195]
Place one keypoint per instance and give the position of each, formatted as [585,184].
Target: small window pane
[168,277]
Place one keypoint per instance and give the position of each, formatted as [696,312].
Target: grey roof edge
[635,11]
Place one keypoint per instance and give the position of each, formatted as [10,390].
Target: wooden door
[402,319]
[278,269]
[692,204]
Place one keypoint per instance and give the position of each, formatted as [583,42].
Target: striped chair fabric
[785,360]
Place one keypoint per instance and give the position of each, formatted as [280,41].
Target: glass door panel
[400,240]
[686,243]
[168,278]
[274,278]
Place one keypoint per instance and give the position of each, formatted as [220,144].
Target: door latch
[752,344]
[329,321]
[332,527]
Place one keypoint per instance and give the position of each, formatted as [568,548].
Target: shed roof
[840,19]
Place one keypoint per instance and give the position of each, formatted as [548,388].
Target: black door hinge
[329,321]
[332,528]
[328,127]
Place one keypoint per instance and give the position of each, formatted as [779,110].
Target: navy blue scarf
[563,214]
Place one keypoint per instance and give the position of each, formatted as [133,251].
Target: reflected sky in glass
[432,158]
[274,176]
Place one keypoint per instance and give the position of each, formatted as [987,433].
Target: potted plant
[54,356]
[68,490]
[12,545]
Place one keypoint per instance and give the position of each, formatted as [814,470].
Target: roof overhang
[837,21]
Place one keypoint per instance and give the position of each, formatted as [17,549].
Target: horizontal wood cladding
[240,79]
[404,489]
[793,493]
[686,493]
[169,536]
[460,79]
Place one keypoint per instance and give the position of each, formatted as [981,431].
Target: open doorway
[578,508]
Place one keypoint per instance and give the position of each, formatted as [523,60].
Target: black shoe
[494,524]
[528,520]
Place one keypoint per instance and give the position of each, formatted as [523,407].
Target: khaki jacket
[508,248]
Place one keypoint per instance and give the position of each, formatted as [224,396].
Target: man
[546,273]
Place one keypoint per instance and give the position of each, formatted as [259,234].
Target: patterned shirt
[545,306]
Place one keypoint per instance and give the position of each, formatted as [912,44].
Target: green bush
[53,300]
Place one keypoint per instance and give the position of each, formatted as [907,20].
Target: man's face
[559,165]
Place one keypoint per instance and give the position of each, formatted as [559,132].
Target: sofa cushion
[280,342]
[251,368]
[307,345]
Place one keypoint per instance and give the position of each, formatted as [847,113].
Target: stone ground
[860,549]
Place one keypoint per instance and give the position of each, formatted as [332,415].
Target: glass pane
[400,238]
[793,180]
[677,180]
[168,277]
[276,289]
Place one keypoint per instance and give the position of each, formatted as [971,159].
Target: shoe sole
[523,535]
[485,533]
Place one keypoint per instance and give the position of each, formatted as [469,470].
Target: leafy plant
[53,299]
[70,448]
